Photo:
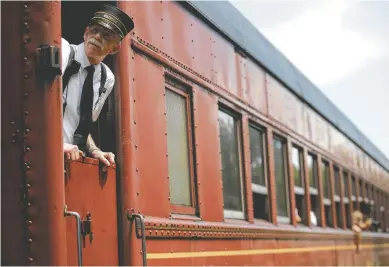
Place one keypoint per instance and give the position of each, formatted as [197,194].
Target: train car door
[90,192]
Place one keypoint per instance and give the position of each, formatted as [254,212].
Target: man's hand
[71,151]
[107,158]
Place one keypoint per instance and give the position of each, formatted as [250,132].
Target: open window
[75,18]
[259,183]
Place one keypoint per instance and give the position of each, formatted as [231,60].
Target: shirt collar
[82,58]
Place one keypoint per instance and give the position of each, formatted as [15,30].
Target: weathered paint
[40,135]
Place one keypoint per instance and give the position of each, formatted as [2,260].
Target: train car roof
[233,25]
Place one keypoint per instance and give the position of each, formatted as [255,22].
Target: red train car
[226,153]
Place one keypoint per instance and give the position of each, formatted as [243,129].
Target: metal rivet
[30,240]
[25,94]
[13,141]
[28,148]
[25,76]
[26,112]
[27,131]
[29,222]
[29,204]
[27,40]
[28,185]
[30,259]
[25,24]
[12,122]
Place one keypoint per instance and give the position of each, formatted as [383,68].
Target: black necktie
[86,106]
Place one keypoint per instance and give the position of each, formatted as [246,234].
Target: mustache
[95,42]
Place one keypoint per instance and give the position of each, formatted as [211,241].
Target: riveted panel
[151,144]
[255,94]
[41,142]
[208,157]
[90,190]
[13,225]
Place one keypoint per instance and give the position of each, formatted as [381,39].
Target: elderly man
[87,81]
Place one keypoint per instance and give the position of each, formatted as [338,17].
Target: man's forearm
[90,144]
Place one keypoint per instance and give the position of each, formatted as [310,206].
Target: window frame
[283,140]
[185,92]
[233,214]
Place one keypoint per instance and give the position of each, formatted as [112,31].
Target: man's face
[100,42]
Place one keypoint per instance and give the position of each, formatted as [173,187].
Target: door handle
[78,227]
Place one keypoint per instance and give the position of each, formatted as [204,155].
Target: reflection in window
[178,149]
[297,166]
[347,197]
[258,173]
[312,170]
[299,191]
[338,204]
[257,156]
[354,192]
[313,189]
[281,179]
[345,184]
[326,179]
[231,164]
[327,194]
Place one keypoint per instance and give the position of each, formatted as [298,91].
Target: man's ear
[116,48]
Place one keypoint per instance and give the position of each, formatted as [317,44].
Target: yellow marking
[177,255]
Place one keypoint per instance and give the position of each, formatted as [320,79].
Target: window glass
[232,182]
[337,181]
[345,184]
[297,166]
[353,186]
[326,179]
[178,149]
[312,170]
[281,178]
[257,156]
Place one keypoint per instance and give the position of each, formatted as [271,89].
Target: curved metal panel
[229,21]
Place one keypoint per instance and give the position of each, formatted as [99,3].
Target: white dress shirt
[71,116]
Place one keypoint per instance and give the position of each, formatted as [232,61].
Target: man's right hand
[71,151]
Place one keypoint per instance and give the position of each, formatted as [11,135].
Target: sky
[342,46]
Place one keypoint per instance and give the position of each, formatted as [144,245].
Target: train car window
[327,193]
[313,189]
[230,143]
[258,173]
[360,198]
[354,193]
[299,192]
[281,179]
[179,144]
[338,194]
[346,200]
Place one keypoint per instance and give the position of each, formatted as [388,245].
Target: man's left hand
[107,158]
